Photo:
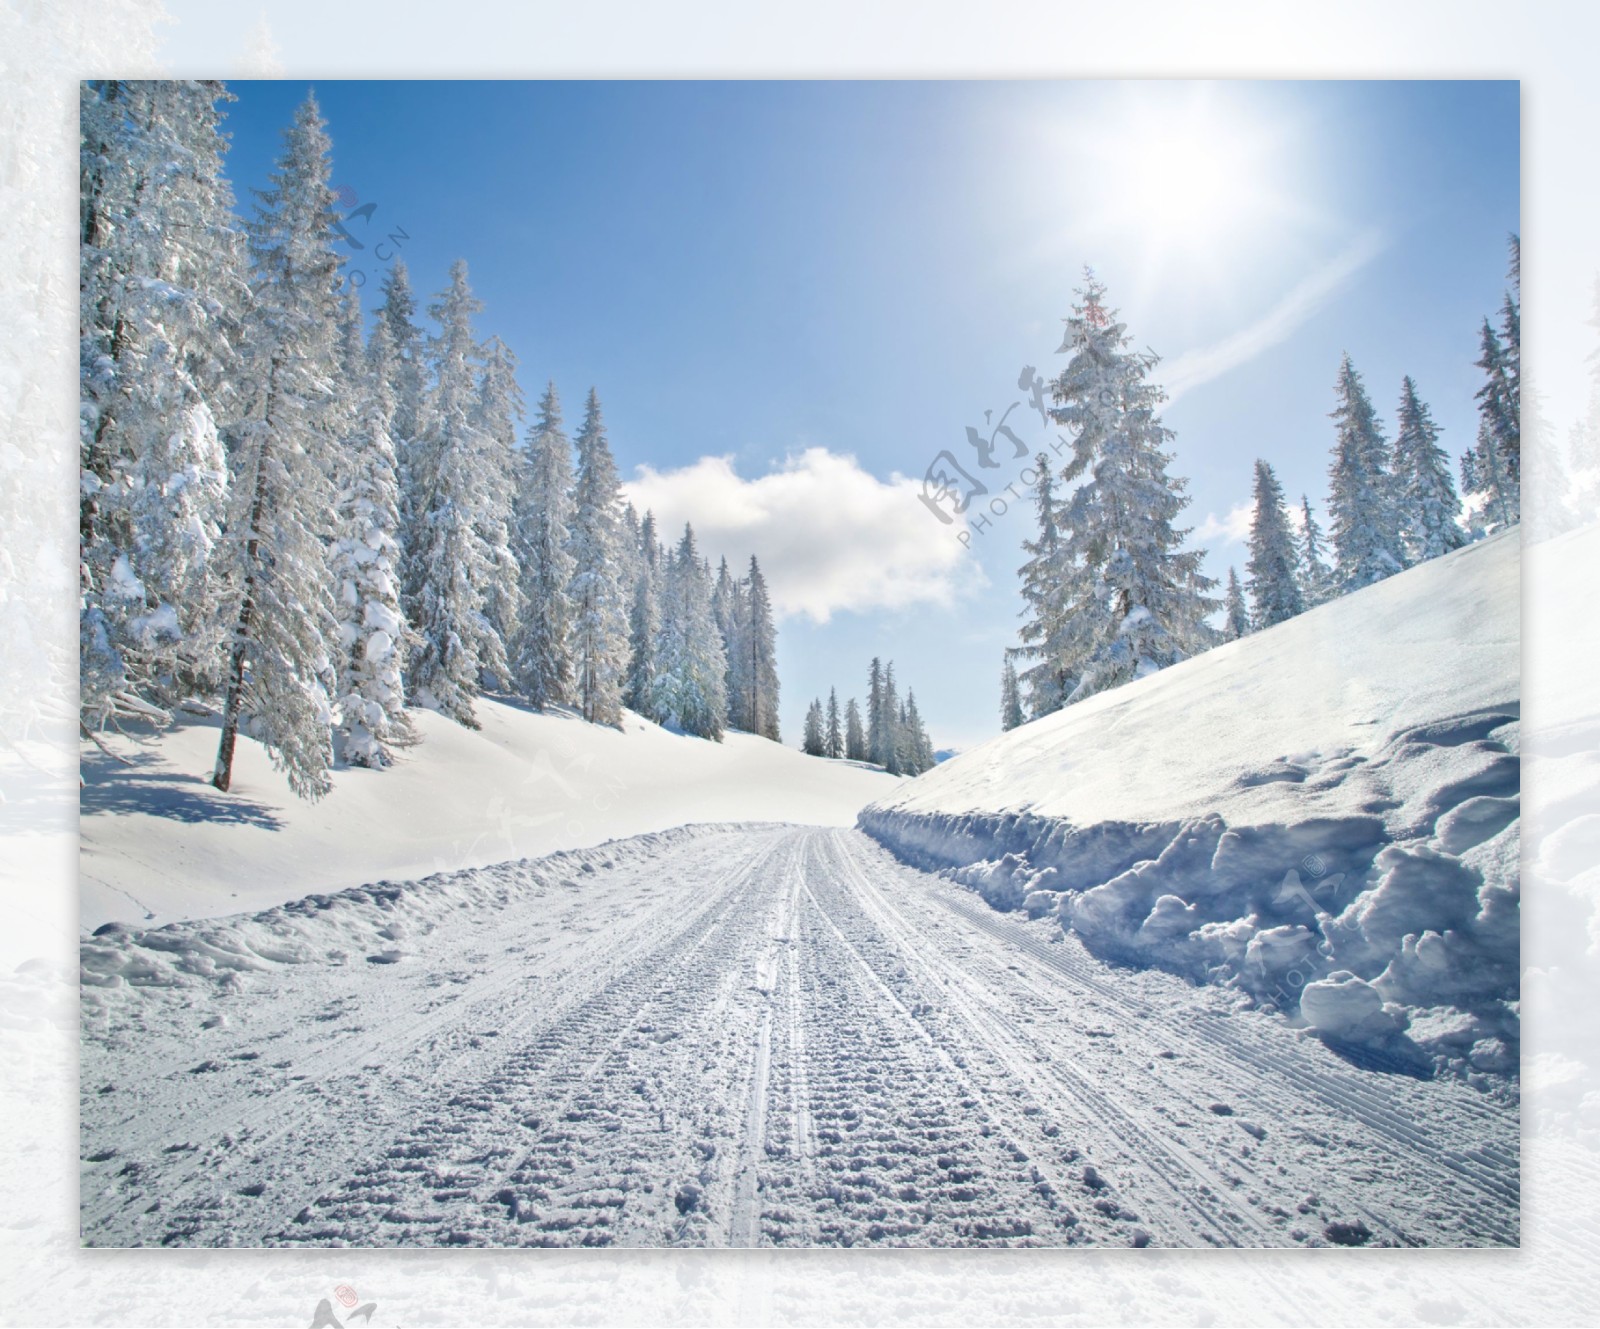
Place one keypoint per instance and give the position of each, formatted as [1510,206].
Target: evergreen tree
[877,726]
[834,744]
[407,389]
[1366,541]
[1429,511]
[691,669]
[542,517]
[365,562]
[1010,696]
[1236,622]
[889,722]
[598,595]
[644,623]
[1134,601]
[918,748]
[855,737]
[813,742]
[456,567]
[1272,570]
[1316,577]
[731,609]
[280,669]
[1048,682]
[162,293]
[500,411]
[760,649]
[1496,498]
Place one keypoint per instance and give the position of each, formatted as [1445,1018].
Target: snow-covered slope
[1324,814]
[159,844]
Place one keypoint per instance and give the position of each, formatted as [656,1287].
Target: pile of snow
[159,844]
[1324,815]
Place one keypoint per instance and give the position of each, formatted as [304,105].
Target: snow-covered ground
[159,844]
[1324,816]
[735,1035]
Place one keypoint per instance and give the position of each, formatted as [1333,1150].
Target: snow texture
[1323,815]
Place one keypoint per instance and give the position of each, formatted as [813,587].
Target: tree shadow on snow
[113,788]
[1397,1056]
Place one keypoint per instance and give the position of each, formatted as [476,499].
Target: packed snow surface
[730,1035]
[1324,815]
[159,844]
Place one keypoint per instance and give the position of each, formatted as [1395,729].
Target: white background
[46,1279]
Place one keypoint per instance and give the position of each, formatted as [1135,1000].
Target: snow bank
[158,844]
[1324,815]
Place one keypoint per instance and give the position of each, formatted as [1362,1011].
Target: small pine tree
[1316,577]
[644,623]
[1271,572]
[889,722]
[500,411]
[1045,640]
[1010,696]
[1429,511]
[691,670]
[1236,620]
[834,745]
[760,649]
[813,743]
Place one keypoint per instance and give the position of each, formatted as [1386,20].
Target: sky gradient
[789,276]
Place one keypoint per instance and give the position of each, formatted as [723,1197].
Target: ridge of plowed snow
[158,844]
[1328,809]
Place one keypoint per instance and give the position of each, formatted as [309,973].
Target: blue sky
[790,275]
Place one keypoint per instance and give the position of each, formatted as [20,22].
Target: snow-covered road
[737,1035]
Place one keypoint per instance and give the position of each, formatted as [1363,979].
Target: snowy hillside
[1323,815]
[159,844]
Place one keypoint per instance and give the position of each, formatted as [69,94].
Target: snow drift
[1324,815]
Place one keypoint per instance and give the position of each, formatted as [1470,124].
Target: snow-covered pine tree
[917,746]
[365,558]
[855,737]
[1010,696]
[1047,682]
[877,729]
[812,742]
[457,644]
[644,623]
[597,591]
[1361,501]
[542,519]
[833,745]
[1316,577]
[280,669]
[691,670]
[1429,512]
[1134,601]
[731,611]
[1494,498]
[890,722]
[1236,618]
[162,295]
[500,411]
[1272,571]
[759,647]
[408,391]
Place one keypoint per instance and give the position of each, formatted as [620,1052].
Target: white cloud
[830,535]
[1230,528]
[1193,368]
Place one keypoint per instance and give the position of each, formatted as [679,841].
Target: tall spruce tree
[162,295]
[1272,572]
[1361,502]
[542,521]
[365,562]
[1429,512]
[500,412]
[597,591]
[408,390]
[1236,618]
[812,742]
[877,726]
[760,650]
[456,567]
[644,623]
[1010,696]
[855,736]
[889,722]
[834,734]
[1134,600]
[280,668]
